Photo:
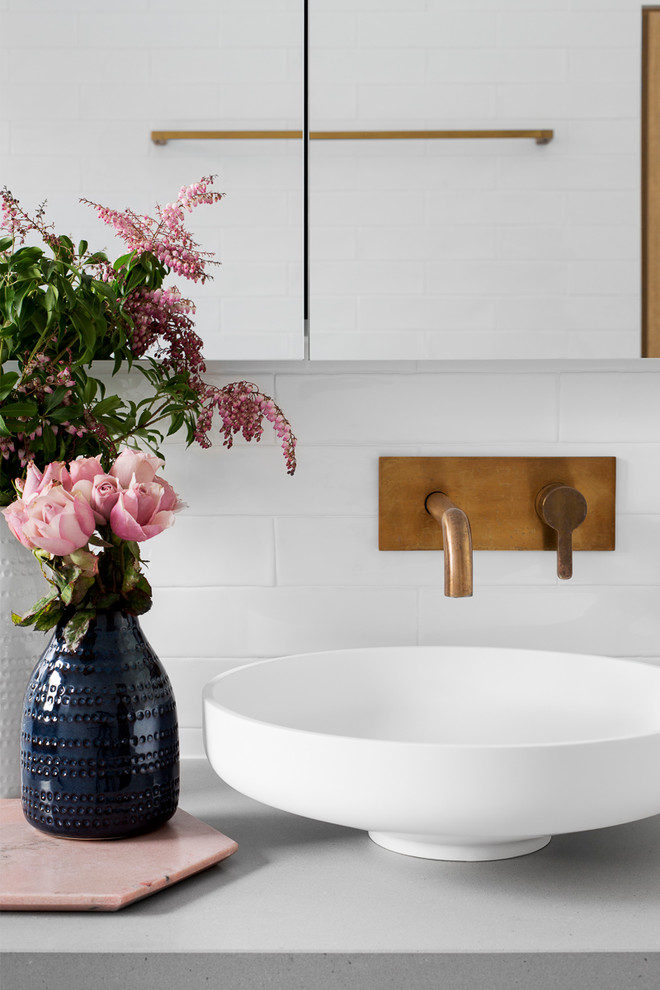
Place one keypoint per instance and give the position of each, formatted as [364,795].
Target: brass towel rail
[162,137]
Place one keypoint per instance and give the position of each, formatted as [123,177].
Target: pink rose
[170,500]
[85,469]
[16,518]
[101,494]
[135,464]
[36,482]
[138,513]
[57,521]
[105,492]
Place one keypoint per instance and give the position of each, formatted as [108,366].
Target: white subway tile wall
[83,86]
[261,564]
[486,248]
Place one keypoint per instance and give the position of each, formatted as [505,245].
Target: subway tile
[601,312]
[328,65]
[260,622]
[404,344]
[611,344]
[532,242]
[366,208]
[25,101]
[497,277]
[589,243]
[605,65]
[497,65]
[636,560]
[572,172]
[344,551]
[367,277]
[447,28]
[242,346]
[261,244]
[335,243]
[614,621]
[258,278]
[406,167]
[420,408]
[502,206]
[138,30]
[247,314]
[210,66]
[117,64]
[428,312]
[248,103]
[270,29]
[80,139]
[51,28]
[212,550]
[30,177]
[574,100]
[188,676]
[610,407]
[604,277]
[580,29]
[333,107]
[406,243]
[252,479]
[410,106]
[333,314]
[602,207]
[496,344]
[602,135]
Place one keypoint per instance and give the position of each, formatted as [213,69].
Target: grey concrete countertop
[307,904]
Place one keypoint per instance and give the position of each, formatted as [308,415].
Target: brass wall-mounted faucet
[457,543]
[563,509]
[509,502]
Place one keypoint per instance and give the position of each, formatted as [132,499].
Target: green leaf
[49,616]
[51,298]
[7,382]
[20,409]
[76,627]
[176,423]
[108,405]
[75,592]
[39,609]
[54,400]
[109,600]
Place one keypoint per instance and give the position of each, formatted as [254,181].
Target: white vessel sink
[454,753]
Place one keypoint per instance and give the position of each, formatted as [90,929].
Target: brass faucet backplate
[498,494]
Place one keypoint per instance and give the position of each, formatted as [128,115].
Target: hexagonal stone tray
[42,873]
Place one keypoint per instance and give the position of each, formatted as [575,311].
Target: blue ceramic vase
[99,735]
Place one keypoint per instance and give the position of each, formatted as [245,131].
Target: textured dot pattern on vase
[99,736]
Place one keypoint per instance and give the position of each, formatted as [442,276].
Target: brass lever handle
[563,509]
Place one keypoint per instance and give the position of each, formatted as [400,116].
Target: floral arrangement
[64,307]
[85,504]
[84,526]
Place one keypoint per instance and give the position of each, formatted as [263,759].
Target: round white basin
[461,753]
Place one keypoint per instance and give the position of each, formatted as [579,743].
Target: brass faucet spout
[457,542]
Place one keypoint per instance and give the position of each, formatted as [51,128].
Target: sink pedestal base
[458,848]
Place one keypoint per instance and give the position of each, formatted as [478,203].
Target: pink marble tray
[42,873]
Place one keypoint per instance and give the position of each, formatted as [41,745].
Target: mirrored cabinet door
[85,85]
[483,244]
[253,309]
